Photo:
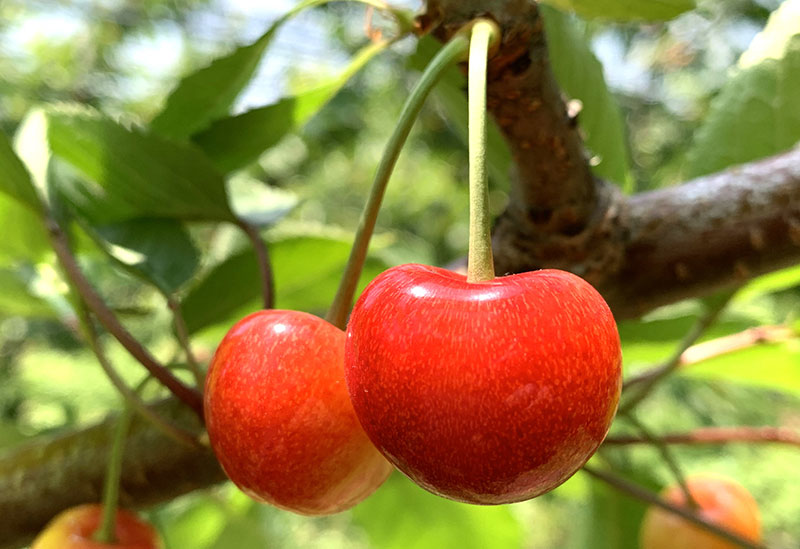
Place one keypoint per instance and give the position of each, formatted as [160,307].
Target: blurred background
[124,56]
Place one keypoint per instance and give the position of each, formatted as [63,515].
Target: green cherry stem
[480,264]
[455,50]
[106,532]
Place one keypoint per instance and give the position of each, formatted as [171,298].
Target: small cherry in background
[720,500]
[74,528]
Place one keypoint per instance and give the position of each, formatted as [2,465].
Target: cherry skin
[75,527]
[720,500]
[489,392]
[279,418]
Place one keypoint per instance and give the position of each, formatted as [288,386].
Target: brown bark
[41,479]
[641,252]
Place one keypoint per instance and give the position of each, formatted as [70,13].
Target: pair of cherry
[486,392]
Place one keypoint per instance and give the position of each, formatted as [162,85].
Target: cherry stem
[188,395]
[480,265]
[131,397]
[264,265]
[647,381]
[106,533]
[453,51]
[183,339]
[642,494]
[715,435]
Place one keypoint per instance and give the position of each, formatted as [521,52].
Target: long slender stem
[106,533]
[264,265]
[645,382]
[637,492]
[480,266]
[183,339]
[453,51]
[715,435]
[131,397]
[108,319]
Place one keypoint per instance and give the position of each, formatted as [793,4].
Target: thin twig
[716,435]
[642,494]
[736,342]
[132,397]
[264,264]
[183,339]
[186,394]
[647,381]
[666,455]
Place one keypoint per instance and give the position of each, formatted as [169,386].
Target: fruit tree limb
[48,475]
[642,251]
[716,435]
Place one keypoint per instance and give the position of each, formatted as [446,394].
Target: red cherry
[489,392]
[720,500]
[279,417]
[75,527]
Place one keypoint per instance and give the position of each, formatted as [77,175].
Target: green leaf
[614,520]
[24,236]
[17,300]
[580,74]
[401,515]
[236,141]
[257,203]
[450,93]
[209,93]
[159,250]
[130,173]
[772,282]
[757,113]
[307,270]
[625,10]
[15,181]
[774,366]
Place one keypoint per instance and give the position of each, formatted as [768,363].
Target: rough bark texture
[641,252]
[41,479]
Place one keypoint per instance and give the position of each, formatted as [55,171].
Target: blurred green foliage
[145,231]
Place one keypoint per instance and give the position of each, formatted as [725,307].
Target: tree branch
[58,239]
[716,435]
[643,251]
[40,479]
[709,234]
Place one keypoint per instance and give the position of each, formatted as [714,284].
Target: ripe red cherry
[279,418]
[489,392]
[75,527]
[721,500]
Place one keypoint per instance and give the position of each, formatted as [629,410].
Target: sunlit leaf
[756,114]
[580,74]
[210,92]
[129,173]
[24,237]
[236,141]
[15,181]
[160,250]
[774,366]
[16,299]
